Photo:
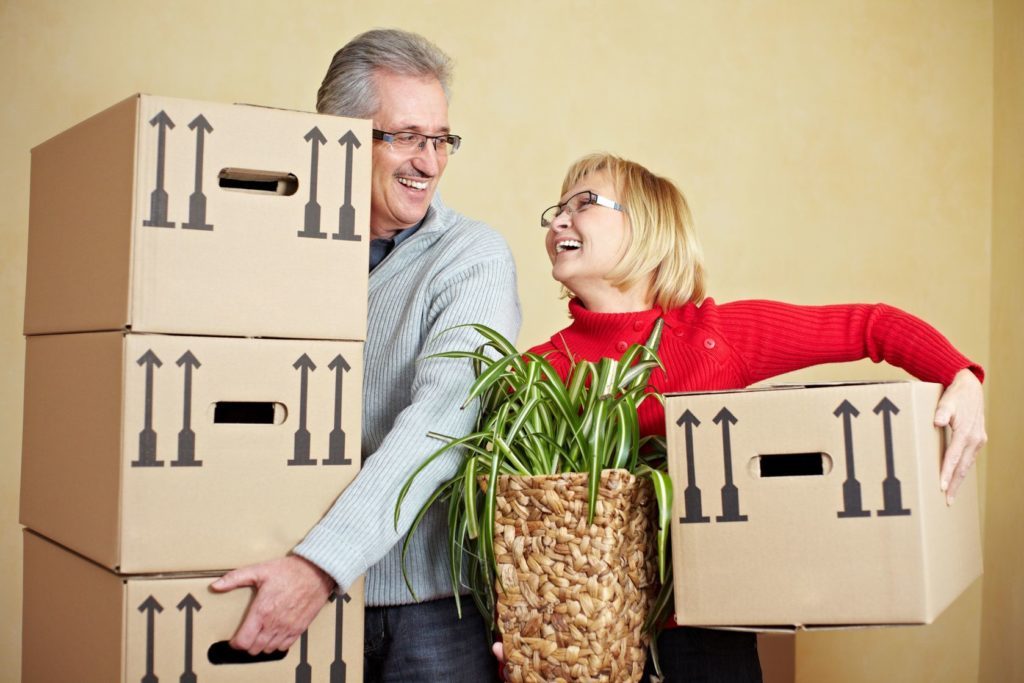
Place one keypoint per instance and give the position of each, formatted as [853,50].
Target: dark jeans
[700,655]
[427,642]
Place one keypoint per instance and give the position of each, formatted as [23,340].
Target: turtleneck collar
[596,325]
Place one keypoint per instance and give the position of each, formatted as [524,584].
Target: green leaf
[415,525]
[497,371]
[663,495]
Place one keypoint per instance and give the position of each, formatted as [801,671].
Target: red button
[621,346]
[638,325]
[709,343]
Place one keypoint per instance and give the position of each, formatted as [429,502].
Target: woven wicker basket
[573,598]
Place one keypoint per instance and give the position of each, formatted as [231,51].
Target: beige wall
[1003,602]
[831,151]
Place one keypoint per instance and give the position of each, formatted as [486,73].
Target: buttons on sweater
[638,325]
[621,346]
[709,343]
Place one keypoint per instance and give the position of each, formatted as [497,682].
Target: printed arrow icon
[338,665]
[730,494]
[158,197]
[852,502]
[150,607]
[190,605]
[347,214]
[147,437]
[336,447]
[301,456]
[187,437]
[892,489]
[311,226]
[197,200]
[303,671]
[691,495]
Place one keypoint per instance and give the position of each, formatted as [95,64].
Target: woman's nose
[561,221]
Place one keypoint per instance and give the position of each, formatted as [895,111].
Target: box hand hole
[791,465]
[261,182]
[249,412]
[221,653]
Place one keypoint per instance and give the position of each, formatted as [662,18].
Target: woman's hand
[962,408]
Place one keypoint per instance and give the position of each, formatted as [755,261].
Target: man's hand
[962,408]
[290,592]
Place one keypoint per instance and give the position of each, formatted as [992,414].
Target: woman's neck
[609,299]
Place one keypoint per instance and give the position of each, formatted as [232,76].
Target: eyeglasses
[575,203]
[407,141]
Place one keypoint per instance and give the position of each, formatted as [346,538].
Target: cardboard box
[815,505]
[84,623]
[177,216]
[158,453]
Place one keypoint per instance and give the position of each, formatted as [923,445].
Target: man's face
[403,183]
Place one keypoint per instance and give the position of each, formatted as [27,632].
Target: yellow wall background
[831,151]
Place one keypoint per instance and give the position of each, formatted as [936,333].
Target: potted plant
[562,511]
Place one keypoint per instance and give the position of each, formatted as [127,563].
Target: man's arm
[359,530]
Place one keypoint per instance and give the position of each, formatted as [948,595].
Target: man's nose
[427,159]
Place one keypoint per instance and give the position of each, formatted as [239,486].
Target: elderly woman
[622,244]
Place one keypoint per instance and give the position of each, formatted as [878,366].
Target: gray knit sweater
[452,270]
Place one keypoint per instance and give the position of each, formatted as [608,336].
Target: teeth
[421,185]
[566,245]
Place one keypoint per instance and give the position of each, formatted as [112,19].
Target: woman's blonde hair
[663,245]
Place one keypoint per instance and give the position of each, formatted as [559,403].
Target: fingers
[957,471]
[961,408]
[245,576]
[267,628]
[290,592]
[943,414]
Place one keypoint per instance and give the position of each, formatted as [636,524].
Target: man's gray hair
[348,88]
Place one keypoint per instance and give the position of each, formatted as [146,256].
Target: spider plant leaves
[490,376]
[441,490]
[663,494]
[532,422]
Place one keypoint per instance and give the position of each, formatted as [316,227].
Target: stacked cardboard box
[195,311]
[815,507]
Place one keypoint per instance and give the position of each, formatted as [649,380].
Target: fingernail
[944,485]
[218,583]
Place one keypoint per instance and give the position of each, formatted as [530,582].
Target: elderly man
[430,269]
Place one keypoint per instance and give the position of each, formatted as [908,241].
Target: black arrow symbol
[197,200]
[147,437]
[892,490]
[347,214]
[852,504]
[311,226]
[303,671]
[190,605]
[301,457]
[730,494]
[336,447]
[338,665]
[150,607]
[158,197]
[692,495]
[186,437]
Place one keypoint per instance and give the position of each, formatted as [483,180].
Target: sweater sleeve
[359,530]
[772,338]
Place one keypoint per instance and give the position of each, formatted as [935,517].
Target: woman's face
[585,245]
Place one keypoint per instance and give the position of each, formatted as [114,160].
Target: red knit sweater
[709,347]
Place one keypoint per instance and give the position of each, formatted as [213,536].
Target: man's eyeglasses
[408,141]
[575,203]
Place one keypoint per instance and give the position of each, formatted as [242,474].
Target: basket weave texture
[573,597]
